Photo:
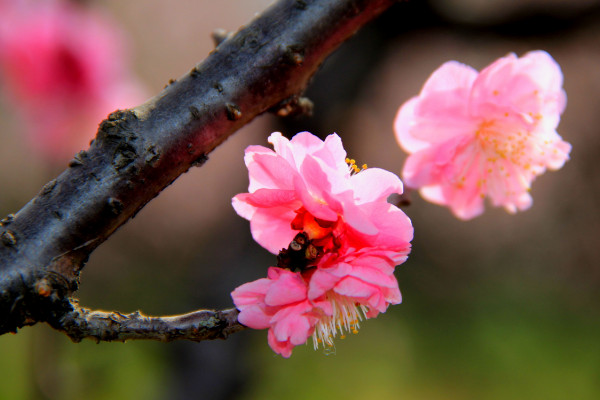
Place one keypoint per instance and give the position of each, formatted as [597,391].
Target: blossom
[336,236]
[473,135]
[64,68]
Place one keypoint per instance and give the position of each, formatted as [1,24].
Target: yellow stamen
[354,169]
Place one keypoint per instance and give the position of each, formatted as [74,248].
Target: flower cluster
[64,67]
[473,135]
[337,237]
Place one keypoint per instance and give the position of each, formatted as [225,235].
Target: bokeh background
[503,306]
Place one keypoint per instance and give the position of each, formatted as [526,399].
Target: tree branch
[138,152]
[81,323]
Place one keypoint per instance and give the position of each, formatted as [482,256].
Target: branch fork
[138,152]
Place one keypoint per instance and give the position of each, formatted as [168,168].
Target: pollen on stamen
[354,169]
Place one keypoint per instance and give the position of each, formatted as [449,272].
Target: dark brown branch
[138,152]
[81,323]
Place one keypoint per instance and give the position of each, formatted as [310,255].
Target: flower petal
[288,288]
[374,184]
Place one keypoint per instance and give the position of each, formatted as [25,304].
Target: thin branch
[138,152]
[82,323]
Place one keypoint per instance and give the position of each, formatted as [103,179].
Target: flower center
[322,233]
[502,143]
[300,254]
[315,238]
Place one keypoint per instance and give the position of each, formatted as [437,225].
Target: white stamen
[345,318]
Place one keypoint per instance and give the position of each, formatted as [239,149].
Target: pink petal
[374,184]
[392,295]
[284,149]
[321,282]
[251,292]
[332,153]
[242,207]
[394,228]
[284,348]
[440,112]
[559,155]
[312,188]
[353,287]
[427,166]
[271,228]
[403,125]
[267,198]
[267,170]
[255,317]
[449,76]
[307,141]
[372,275]
[289,288]
[249,299]
[293,323]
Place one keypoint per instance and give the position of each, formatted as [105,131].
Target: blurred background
[503,306]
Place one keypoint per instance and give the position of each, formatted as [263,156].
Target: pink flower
[337,237]
[64,67]
[490,134]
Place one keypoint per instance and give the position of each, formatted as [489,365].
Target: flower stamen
[355,169]
[345,318]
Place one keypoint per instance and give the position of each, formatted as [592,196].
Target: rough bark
[138,152]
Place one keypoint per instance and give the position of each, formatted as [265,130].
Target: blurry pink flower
[330,221]
[64,68]
[472,135]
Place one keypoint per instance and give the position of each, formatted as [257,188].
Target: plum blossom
[337,238]
[473,135]
[64,68]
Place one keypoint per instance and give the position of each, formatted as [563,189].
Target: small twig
[294,106]
[81,323]
[220,35]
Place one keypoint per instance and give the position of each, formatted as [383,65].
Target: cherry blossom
[63,67]
[474,135]
[337,238]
